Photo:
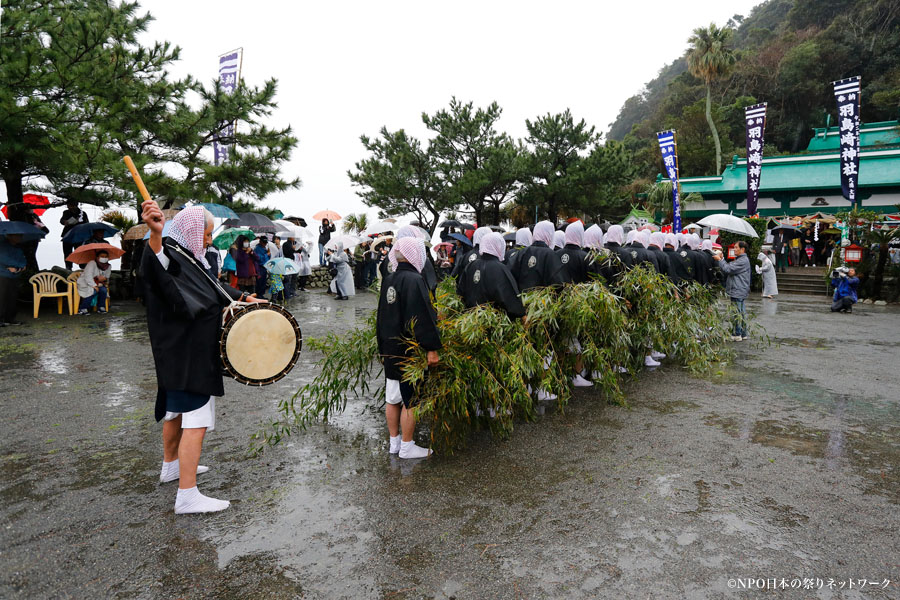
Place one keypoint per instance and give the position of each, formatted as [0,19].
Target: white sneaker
[649,362]
[596,375]
[736,338]
[545,395]
[579,381]
[657,355]
[410,450]
[192,501]
[621,370]
[747,337]
[394,445]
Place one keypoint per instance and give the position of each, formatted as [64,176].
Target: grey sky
[347,68]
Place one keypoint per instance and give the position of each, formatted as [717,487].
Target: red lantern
[853,253]
[731,254]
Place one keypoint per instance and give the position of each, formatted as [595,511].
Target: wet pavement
[784,465]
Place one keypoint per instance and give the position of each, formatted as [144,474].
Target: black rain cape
[489,281]
[184,319]
[404,311]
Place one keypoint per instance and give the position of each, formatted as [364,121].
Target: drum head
[260,345]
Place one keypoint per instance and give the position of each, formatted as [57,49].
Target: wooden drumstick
[138,181]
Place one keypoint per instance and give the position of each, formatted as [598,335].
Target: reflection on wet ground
[784,465]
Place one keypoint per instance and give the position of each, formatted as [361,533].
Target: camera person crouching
[845,283]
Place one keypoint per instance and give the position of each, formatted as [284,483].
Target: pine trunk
[715,132]
[14,191]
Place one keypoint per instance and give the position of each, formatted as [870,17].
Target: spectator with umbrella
[23,212]
[245,265]
[342,283]
[94,280]
[261,256]
[278,268]
[72,216]
[12,262]
[325,230]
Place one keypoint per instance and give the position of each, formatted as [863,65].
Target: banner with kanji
[755,117]
[670,162]
[847,94]
[229,74]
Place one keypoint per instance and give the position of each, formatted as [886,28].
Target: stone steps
[809,281]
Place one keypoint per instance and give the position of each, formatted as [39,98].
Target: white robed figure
[767,270]
[301,257]
[342,284]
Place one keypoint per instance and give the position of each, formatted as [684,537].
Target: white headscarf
[615,234]
[188,229]
[631,236]
[694,241]
[493,244]
[679,240]
[559,239]
[523,237]
[670,240]
[480,233]
[543,232]
[575,234]
[658,239]
[644,238]
[593,237]
[706,245]
[410,231]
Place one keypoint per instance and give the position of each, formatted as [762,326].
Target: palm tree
[709,59]
[354,223]
[659,198]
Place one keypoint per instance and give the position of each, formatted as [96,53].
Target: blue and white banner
[755,117]
[229,74]
[847,94]
[670,162]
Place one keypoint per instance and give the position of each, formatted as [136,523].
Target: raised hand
[155,219]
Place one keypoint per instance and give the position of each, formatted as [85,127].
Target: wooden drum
[260,343]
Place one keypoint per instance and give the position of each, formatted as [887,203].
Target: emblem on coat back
[391,268]
[473,256]
[683,254]
[391,295]
[564,259]
[477,276]
[634,254]
[532,262]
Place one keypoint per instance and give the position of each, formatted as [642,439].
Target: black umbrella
[451,223]
[496,228]
[85,231]
[785,227]
[510,237]
[28,231]
[255,222]
[461,238]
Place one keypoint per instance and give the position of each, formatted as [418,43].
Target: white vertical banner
[229,76]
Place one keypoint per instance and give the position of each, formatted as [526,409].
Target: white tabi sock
[410,450]
[192,501]
[169,471]
[395,444]
[579,381]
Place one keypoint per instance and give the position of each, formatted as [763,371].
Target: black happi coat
[662,260]
[575,262]
[184,318]
[698,266]
[404,299]
[640,255]
[428,272]
[510,255]
[538,266]
[463,261]
[709,266]
[626,261]
[489,281]
[681,266]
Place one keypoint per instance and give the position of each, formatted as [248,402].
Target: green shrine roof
[639,213]
[885,133]
[879,166]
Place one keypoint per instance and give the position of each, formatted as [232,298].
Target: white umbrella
[380,240]
[693,226]
[729,223]
[349,241]
[376,228]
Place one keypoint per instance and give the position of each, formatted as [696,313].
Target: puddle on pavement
[816,343]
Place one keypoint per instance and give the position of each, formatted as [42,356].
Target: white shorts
[205,416]
[392,391]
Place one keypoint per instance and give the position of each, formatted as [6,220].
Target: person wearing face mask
[290,281]
[245,264]
[92,284]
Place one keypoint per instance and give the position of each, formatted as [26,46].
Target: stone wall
[319,278]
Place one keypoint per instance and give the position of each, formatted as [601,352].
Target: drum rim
[243,310]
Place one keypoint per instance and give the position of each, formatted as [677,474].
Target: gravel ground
[784,465]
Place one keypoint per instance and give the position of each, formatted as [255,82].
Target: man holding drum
[184,319]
